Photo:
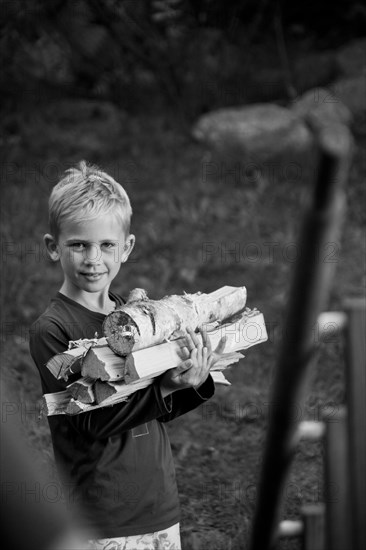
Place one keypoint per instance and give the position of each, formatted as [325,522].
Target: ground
[196,230]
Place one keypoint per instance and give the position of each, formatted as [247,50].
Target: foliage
[134,51]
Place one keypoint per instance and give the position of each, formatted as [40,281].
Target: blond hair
[85,192]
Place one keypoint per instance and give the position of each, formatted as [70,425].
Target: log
[100,362]
[245,330]
[106,378]
[63,403]
[143,323]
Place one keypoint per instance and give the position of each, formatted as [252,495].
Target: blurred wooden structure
[340,523]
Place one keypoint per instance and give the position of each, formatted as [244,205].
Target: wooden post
[308,297]
[356,407]
[314,529]
[338,532]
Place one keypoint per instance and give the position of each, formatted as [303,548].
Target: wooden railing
[340,524]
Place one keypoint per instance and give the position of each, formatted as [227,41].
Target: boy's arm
[186,400]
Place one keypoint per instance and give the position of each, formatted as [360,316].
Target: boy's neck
[99,302]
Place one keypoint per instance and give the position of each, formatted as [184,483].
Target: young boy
[116,462]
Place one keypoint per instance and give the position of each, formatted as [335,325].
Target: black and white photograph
[183,253]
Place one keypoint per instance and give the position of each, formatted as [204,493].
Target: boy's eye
[109,245]
[78,246]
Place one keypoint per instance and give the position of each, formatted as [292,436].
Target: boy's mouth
[92,276]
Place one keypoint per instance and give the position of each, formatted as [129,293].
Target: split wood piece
[103,390]
[63,402]
[68,361]
[101,363]
[245,330]
[219,378]
[65,364]
[83,390]
[144,323]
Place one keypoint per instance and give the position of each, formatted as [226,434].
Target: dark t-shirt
[116,462]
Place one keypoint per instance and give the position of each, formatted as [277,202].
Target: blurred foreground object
[32,512]
[341,525]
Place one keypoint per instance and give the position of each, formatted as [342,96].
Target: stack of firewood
[143,339]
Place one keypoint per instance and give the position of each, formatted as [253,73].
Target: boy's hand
[194,370]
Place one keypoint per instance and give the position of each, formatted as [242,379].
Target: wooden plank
[313,518]
[337,498]
[356,407]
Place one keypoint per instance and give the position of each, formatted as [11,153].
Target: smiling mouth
[92,275]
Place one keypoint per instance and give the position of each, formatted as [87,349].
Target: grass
[195,231]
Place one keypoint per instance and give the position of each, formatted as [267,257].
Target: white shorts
[167,539]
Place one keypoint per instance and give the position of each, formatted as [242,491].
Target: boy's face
[91,252]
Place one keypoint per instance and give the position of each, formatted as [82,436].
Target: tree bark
[144,323]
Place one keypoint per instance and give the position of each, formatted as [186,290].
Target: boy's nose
[93,255]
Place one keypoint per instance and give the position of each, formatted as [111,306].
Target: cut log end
[73,408]
[121,345]
[102,390]
[73,368]
[82,390]
[119,329]
[93,367]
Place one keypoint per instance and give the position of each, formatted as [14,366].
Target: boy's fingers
[205,339]
[221,345]
[185,365]
[184,352]
[189,342]
[193,337]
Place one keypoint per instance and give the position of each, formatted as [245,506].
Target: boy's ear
[128,247]
[52,247]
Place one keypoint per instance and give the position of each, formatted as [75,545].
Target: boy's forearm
[188,399]
[166,389]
